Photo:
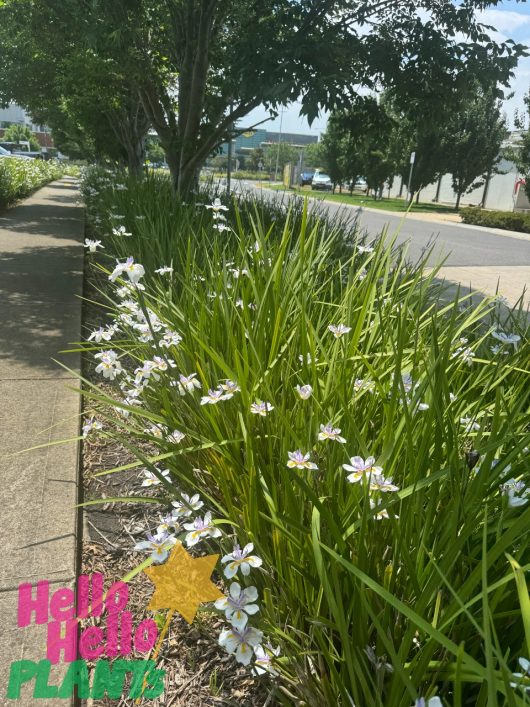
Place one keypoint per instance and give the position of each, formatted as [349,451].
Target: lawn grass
[357,199]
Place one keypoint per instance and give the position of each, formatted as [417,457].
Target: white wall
[500,191]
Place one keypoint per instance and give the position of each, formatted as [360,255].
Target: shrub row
[509,220]
[19,177]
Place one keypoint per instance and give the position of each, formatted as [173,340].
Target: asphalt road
[455,244]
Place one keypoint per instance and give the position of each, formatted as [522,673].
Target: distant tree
[313,155]
[154,152]
[341,159]
[474,136]
[425,136]
[377,167]
[357,143]
[519,153]
[255,158]
[369,129]
[21,133]
[281,154]
[219,161]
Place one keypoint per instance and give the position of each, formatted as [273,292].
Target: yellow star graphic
[183,582]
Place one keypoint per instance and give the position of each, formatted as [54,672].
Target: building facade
[15,115]
[255,138]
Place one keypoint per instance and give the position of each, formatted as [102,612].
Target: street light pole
[278,150]
[229,168]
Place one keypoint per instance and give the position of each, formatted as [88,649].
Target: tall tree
[255,159]
[519,152]
[339,150]
[279,154]
[473,142]
[87,99]
[370,126]
[313,155]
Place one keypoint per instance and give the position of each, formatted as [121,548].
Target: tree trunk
[173,162]
[130,126]
[458,197]
[486,189]
[418,198]
[135,159]
[438,189]
[186,155]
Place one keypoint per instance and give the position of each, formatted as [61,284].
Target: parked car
[359,183]
[322,182]
[21,149]
[306,178]
[6,153]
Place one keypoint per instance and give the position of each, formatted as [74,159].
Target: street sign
[412,157]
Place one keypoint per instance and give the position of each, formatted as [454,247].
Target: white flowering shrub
[352,442]
[19,177]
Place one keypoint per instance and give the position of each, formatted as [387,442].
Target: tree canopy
[474,137]
[197,66]
[375,137]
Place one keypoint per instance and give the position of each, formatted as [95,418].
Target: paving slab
[39,515]
[512,282]
[41,279]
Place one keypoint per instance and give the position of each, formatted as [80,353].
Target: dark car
[306,178]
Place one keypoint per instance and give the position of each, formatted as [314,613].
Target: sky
[511,21]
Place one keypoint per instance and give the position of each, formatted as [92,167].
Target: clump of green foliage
[375,596]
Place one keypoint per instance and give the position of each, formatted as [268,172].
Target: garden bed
[366,439]
[199,672]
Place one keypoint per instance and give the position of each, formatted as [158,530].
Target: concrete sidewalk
[511,282]
[41,272]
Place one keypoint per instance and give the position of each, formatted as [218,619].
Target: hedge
[509,220]
[20,177]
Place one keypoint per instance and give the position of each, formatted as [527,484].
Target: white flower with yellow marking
[201,528]
[240,559]
[238,605]
[241,643]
